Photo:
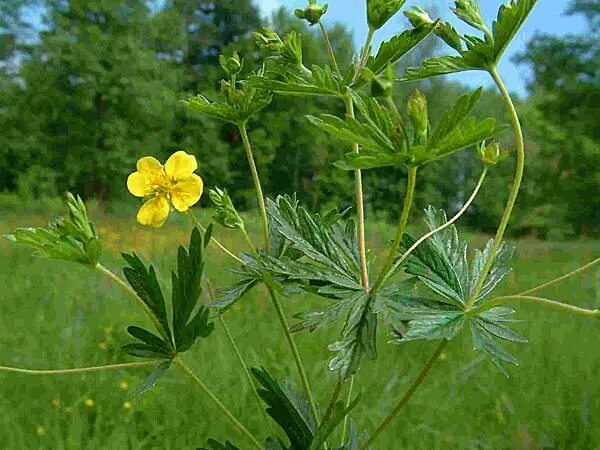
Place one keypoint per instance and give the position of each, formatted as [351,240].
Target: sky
[547,16]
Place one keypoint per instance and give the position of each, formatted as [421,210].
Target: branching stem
[408,201]
[515,187]
[214,240]
[562,278]
[257,186]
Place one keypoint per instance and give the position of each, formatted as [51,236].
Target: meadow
[63,315]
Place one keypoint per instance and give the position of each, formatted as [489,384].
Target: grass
[57,315]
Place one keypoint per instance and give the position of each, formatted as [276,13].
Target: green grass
[57,315]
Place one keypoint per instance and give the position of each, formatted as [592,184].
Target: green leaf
[441,65]
[231,295]
[321,82]
[358,341]
[145,283]
[390,52]
[380,11]
[317,319]
[485,341]
[220,111]
[69,239]
[154,377]
[455,116]
[147,337]
[286,408]
[146,351]
[511,17]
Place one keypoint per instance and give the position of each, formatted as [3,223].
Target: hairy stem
[515,187]
[334,399]
[248,240]
[329,48]
[364,55]
[241,428]
[80,369]
[257,187]
[239,357]
[562,278]
[408,201]
[411,390]
[408,252]
[159,327]
[295,353]
[360,206]
[499,301]
[214,240]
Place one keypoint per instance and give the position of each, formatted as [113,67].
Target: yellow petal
[149,165]
[181,165]
[186,192]
[154,212]
[140,184]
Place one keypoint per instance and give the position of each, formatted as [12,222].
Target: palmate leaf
[481,54]
[69,239]
[441,262]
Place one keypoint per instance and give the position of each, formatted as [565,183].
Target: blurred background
[89,86]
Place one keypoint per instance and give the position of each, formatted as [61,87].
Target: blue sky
[548,16]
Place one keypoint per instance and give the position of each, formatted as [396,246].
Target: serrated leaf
[440,65]
[286,409]
[486,342]
[510,19]
[144,282]
[455,116]
[321,82]
[358,341]
[317,319]
[390,52]
[231,295]
[500,331]
[154,377]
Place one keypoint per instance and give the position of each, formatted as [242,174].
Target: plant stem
[159,327]
[248,240]
[498,301]
[213,240]
[363,57]
[295,352]
[406,254]
[329,48]
[411,390]
[81,369]
[257,187]
[345,427]
[515,187]
[239,356]
[562,278]
[241,428]
[334,398]
[408,201]
[360,206]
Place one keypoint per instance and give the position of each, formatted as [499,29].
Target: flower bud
[381,85]
[380,11]
[417,111]
[231,65]
[312,13]
[418,17]
[490,154]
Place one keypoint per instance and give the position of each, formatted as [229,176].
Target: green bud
[226,214]
[231,65]
[490,154]
[289,48]
[418,17]
[380,11]
[312,13]
[417,111]
[381,85]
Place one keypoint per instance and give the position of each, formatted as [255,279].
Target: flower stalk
[80,370]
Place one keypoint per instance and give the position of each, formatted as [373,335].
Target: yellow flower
[123,385]
[127,405]
[56,402]
[175,182]
[89,403]
[40,431]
